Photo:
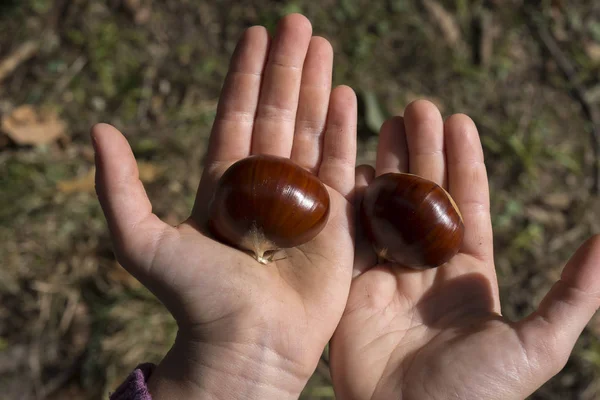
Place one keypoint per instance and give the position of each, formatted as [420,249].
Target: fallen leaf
[27,126]
[149,172]
[86,183]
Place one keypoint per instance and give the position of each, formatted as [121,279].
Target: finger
[276,113]
[392,150]
[425,139]
[232,130]
[364,256]
[550,333]
[339,143]
[312,105]
[468,185]
[231,135]
[135,230]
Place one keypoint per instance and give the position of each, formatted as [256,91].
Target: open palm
[273,320]
[438,333]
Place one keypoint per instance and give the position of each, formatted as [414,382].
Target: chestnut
[411,221]
[264,203]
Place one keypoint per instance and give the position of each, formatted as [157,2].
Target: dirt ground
[73,323]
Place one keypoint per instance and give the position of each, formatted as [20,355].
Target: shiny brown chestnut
[264,203]
[411,221]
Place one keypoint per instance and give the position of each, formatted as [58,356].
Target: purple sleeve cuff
[134,387]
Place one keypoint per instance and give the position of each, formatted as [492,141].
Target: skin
[439,333]
[246,330]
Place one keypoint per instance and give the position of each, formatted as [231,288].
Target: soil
[73,323]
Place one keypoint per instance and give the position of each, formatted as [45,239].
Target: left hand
[438,333]
[246,330]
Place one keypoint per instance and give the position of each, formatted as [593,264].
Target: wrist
[228,370]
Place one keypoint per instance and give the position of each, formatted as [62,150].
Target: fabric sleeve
[134,387]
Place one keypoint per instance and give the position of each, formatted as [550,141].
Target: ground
[73,322]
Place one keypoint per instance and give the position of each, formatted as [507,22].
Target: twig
[484,32]
[20,55]
[446,23]
[70,311]
[71,73]
[577,90]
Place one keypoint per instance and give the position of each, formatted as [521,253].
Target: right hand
[439,333]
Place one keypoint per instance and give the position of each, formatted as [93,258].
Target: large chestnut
[264,203]
[411,221]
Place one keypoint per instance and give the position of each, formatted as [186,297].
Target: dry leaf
[27,126]
[85,183]
[148,173]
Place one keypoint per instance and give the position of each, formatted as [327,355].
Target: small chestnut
[411,221]
[264,203]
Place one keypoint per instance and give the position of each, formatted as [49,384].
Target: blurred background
[73,323]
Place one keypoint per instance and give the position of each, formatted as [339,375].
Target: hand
[439,333]
[246,330]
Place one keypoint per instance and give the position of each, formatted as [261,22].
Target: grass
[159,82]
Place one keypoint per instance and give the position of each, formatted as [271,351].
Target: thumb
[550,333]
[134,229]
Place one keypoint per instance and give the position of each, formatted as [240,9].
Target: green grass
[533,133]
